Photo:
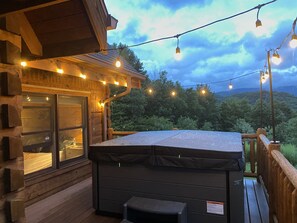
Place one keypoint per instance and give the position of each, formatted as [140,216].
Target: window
[54,130]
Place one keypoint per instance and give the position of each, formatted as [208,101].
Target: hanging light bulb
[293,42]
[258,23]
[263,79]
[230,86]
[276,59]
[150,91]
[177,54]
[118,62]
[173,93]
[203,91]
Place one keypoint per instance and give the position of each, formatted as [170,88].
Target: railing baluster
[252,155]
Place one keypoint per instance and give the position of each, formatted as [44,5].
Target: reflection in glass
[70,144]
[38,132]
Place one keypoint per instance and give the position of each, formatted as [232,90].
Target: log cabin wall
[39,186]
[11,160]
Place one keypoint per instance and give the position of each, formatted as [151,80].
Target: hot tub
[203,169]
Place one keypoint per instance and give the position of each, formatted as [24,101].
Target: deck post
[271,175]
[259,161]
[11,150]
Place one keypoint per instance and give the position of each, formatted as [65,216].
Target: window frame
[54,131]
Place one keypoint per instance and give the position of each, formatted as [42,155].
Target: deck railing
[280,179]
[265,161]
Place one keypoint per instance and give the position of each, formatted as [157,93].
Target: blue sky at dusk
[219,52]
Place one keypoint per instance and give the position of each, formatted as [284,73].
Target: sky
[222,51]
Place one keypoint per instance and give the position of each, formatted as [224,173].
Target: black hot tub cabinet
[203,169]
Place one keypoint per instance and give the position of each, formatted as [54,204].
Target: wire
[226,80]
[191,30]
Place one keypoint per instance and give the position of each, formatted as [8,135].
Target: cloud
[218,52]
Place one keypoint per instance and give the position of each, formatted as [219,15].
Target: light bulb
[104,82]
[24,63]
[177,54]
[83,76]
[258,23]
[230,86]
[150,90]
[60,71]
[118,62]
[263,79]
[173,93]
[117,83]
[276,59]
[203,91]
[293,42]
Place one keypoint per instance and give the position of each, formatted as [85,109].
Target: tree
[186,123]
[242,126]
[231,110]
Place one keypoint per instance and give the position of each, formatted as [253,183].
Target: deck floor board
[74,205]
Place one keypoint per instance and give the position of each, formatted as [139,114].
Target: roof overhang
[90,66]
[57,28]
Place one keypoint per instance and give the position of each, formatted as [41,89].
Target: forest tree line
[158,109]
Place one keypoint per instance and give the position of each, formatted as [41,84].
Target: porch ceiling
[58,28]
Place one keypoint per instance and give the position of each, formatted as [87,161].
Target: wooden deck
[74,205]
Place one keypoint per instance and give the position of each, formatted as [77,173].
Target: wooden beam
[29,35]
[97,16]
[14,39]
[11,6]
[70,48]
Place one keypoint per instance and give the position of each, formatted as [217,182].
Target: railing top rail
[249,136]
[265,141]
[286,166]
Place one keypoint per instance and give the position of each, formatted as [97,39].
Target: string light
[60,70]
[293,42]
[83,76]
[177,54]
[230,86]
[23,63]
[104,82]
[116,83]
[150,91]
[118,62]
[191,30]
[173,93]
[276,59]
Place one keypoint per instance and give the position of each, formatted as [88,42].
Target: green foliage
[186,123]
[153,123]
[242,126]
[290,152]
[231,110]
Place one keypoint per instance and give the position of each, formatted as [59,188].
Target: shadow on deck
[74,205]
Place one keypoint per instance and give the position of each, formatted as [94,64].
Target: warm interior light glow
[104,82]
[177,54]
[24,63]
[173,93]
[116,83]
[83,76]
[118,62]
[276,59]
[47,98]
[293,42]
[60,71]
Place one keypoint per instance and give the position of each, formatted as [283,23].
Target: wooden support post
[259,152]
[271,178]
[11,162]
